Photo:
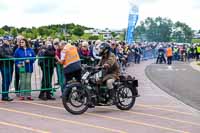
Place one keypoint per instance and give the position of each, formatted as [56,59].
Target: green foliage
[2,32]
[101,37]
[64,31]
[158,29]
[78,31]
[113,34]
[163,30]
[74,37]
[195,40]
[7,28]
[13,32]
[93,38]
[182,32]
[122,37]
[35,33]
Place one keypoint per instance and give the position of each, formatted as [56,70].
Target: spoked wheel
[75,100]
[125,97]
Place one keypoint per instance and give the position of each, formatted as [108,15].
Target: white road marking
[170,68]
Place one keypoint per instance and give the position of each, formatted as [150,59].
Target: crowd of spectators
[22,53]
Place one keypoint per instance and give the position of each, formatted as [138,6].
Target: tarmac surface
[179,80]
[155,111]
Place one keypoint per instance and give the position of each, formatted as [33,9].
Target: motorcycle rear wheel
[125,97]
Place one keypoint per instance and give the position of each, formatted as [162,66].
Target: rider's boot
[111,100]
[90,104]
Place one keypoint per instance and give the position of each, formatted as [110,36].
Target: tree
[22,29]
[195,40]
[93,38]
[113,34]
[13,32]
[163,30]
[6,28]
[41,31]
[158,29]
[78,31]
[35,32]
[140,31]
[182,32]
[2,32]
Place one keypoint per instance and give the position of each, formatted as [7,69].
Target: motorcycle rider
[161,55]
[111,69]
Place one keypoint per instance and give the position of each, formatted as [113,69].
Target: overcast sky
[94,13]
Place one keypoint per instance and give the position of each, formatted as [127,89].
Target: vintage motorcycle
[79,96]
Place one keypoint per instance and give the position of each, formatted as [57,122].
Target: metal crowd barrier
[43,77]
[146,54]
[149,54]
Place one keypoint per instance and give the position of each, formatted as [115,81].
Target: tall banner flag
[132,21]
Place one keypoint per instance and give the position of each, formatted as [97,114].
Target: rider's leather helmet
[104,49]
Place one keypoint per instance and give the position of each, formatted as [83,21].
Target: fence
[146,54]
[149,54]
[37,75]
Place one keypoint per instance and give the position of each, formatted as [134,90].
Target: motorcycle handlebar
[92,67]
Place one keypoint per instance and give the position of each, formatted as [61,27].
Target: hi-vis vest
[188,50]
[169,52]
[71,55]
[175,50]
[198,49]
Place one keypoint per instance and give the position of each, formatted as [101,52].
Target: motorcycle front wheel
[75,99]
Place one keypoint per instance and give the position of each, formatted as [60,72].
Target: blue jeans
[176,56]
[137,59]
[6,73]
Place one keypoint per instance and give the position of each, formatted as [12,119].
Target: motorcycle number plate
[85,75]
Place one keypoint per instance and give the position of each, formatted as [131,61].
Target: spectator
[57,53]
[122,59]
[169,55]
[47,66]
[138,53]
[176,53]
[25,68]
[6,67]
[36,46]
[1,42]
[197,52]
[95,50]
[188,53]
[17,44]
[183,53]
[71,63]
[192,52]
[59,67]
[114,49]
[84,51]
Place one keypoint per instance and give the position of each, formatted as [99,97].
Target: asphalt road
[154,112]
[179,80]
